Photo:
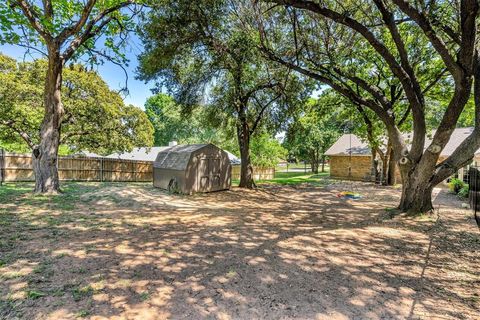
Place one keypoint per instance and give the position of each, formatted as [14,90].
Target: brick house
[349,152]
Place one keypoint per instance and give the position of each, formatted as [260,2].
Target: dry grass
[134,252]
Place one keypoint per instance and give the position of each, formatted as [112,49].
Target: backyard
[290,249]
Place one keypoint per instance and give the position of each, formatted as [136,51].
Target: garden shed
[192,168]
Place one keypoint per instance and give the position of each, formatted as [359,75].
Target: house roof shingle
[360,148]
[346,143]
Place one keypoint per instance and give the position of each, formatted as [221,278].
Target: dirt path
[134,252]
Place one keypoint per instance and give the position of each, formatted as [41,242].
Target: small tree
[171,124]
[61,30]
[267,151]
[312,133]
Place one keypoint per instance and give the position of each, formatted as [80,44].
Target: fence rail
[18,167]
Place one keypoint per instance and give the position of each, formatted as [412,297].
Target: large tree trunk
[392,169]
[246,170]
[314,162]
[385,161]
[416,196]
[390,178]
[45,154]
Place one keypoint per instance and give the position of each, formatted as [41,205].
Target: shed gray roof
[360,148]
[146,154]
[176,157]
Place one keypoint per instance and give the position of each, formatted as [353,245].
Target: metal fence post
[474,189]
[2,166]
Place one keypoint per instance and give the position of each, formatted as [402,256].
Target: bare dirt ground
[122,251]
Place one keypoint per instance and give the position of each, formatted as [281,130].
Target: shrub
[456,185]
[463,192]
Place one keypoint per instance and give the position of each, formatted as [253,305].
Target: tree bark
[45,154]
[246,170]
[392,169]
[314,162]
[418,163]
[416,196]
[323,163]
[315,167]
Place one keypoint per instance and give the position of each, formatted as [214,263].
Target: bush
[463,192]
[456,185]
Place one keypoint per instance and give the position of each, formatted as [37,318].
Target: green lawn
[295,178]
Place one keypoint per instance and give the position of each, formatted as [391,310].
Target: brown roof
[347,143]
[359,148]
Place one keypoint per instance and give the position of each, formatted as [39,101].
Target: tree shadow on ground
[279,252]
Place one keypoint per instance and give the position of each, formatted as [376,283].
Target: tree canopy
[203,126]
[63,31]
[388,56]
[96,119]
[204,54]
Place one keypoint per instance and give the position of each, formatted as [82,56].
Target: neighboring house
[149,154]
[349,151]
[139,154]
[234,160]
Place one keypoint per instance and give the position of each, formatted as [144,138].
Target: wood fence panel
[258,173]
[18,167]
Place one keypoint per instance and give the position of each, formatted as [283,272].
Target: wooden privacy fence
[258,173]
[18,167]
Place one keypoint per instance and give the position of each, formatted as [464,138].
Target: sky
[112,74]
[139,91]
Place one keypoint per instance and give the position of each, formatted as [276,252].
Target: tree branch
[92,29]
[32,18]
[436,41]
[48,9]
[75,28]
[23,134]
[260,114]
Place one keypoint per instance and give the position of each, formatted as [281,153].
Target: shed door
[203,176]
[215,174]
[209,174]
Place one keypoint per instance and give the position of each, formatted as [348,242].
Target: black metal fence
[474,192]
[2,166]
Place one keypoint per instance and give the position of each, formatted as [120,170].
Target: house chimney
[172,143]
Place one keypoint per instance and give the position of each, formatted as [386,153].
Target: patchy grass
[33,294]
[133,251]
[144,296]
[83,313]
[80,293]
